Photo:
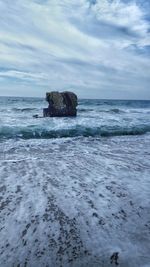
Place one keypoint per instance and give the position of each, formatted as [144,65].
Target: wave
[113,110]
[116,110]
[24,109]
[85,109]
[78,131]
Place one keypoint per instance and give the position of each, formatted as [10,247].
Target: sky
[96,48]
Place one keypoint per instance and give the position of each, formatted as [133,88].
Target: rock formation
[61,104]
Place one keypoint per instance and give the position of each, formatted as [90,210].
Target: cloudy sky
[97,48]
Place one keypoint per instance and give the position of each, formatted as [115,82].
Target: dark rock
[114,258]
[35,116]
[61,104]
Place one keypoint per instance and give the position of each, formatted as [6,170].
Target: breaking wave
[7,132]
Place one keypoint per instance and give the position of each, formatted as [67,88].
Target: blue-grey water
[95,118]
[74,191]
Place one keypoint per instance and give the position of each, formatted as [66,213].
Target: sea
[75,191]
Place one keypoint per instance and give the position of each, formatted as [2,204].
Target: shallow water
[74,201]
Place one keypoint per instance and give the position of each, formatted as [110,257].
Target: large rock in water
[61,104]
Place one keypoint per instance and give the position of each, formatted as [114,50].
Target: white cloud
[121,14]
[77,44]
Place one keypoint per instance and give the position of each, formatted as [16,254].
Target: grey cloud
[104,30]
[77,44]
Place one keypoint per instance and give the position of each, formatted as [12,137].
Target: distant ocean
[75,192]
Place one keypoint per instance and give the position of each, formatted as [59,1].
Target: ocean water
[75,192]
[95,118]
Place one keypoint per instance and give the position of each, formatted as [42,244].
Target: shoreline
[63,209]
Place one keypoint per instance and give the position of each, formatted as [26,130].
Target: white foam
[75,202]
